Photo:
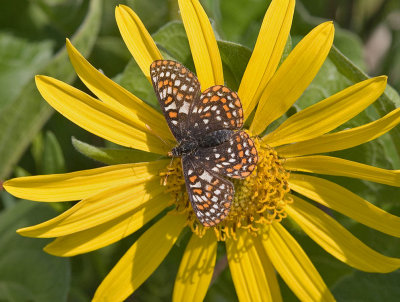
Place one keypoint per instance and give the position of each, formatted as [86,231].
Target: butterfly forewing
[210,195]
[176,88]
[217,108]
[236,158]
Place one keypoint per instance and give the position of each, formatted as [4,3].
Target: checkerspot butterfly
[207,127]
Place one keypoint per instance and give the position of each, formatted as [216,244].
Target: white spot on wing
[206,176]
[185,108]
[196,185]
[171,106]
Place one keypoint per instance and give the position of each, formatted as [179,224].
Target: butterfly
[207,127]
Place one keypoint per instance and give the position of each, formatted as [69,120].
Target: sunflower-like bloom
[118,200]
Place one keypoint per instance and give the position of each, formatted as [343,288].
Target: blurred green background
[36,140]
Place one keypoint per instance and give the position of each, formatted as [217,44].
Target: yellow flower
[118,200]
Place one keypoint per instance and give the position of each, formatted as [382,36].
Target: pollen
[260,199]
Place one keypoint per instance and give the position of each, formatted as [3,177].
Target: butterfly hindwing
[217,108]
[236,158]
[176,88]
[210,195]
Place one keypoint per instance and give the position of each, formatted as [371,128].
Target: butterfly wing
[176,88]
[217,108]
[210,195]
[235,158]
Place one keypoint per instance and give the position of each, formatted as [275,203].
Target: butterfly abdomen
[212,139]
[215,138]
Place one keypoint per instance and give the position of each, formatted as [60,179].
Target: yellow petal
[96,117]
[203,45]
[343,139]
[328,114]
[337,241]
[142,116]
[320,164]
[344,201]
[247,270]
[269,270]
[196,268]
[293,76]
[140,261]
[137,38]
[81,184]
[109,232]
[294,266]
[267,52]
[97,209]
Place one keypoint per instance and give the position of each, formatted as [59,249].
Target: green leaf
[174,44]
[24,116]
[19,60]
[113,156]
[234,61]
[28,273]
[53,159]
[368,287]
[134,80]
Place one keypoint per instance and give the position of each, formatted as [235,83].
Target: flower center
[259,199]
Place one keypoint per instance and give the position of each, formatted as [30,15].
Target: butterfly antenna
[164,182]
[160,138]
[169,169]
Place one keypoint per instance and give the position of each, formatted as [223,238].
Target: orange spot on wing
[198,191]
[229,115]
[226,108]
[205,100]
[239,147]
[223,100]
[245,174]
[227,205]
[215,98]
[160,84]
[173,114]
[237,167]
[165,82]
[216,88]
[168,100]
[193,178]
[237,103]
[229,170]
[241,153]
[250,141]
[159,63]
[200,207]
[253,151]
[224,89]
[183,70]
